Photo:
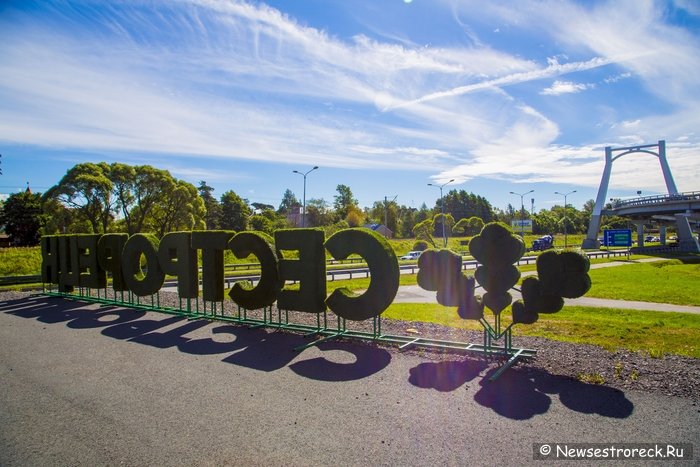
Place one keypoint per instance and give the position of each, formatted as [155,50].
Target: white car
[411,255]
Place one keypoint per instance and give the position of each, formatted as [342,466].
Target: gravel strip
[671,374]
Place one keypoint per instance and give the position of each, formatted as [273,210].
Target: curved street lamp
[522,211]
[303,216]
[442,208]
[565,218]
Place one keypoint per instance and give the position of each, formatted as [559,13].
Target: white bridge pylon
[611,155]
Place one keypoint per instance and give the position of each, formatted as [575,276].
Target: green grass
[669,281]
[20,261]
[655,332]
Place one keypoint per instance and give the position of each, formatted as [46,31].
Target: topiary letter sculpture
[496,248]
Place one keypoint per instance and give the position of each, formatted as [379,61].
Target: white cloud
[244,81]
[565,87]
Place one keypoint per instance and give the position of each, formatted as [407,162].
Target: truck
[543,243]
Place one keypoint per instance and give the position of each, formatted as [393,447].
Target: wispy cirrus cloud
[244,81]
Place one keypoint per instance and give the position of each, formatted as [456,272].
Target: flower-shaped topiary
[561,275]
[441,271]
[496,248]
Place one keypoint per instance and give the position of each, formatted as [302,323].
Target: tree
[423,231]
[343,202]
[355,217]
[387,213]
[464,205]
[22,218]
[87,189]
[213,217]
[289,201]
[234,212]
[317,214]
[438,220]
[545,222]
[468,226]
[139,190]
[260,223]
[182,209]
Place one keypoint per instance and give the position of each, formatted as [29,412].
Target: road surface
[85,385]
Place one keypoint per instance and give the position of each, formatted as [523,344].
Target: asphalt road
[84,385]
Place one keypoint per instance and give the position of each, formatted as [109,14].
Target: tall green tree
[289,201]
[317,213]
[182,209]
[234,212]
[343,202]
[22,218]
[87,188]
[213,217]
[423,231]
[387,213]
[139,190]
[461,205]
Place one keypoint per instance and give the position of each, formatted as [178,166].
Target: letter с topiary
[496,248]
[244,244]
[560,275]
[383,269]
[441,271]
[140,284]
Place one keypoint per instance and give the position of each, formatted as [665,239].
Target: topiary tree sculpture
[496,248]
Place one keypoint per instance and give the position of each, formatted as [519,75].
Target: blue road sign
[617,237]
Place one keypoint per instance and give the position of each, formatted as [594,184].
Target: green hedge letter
[66,277]
[177,258]
[140,284]
[109,256]
[265,293]
[212,243]
[84,262]
[383,268]
[309,269]
[49,259]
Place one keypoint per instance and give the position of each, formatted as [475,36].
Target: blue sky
[385,96]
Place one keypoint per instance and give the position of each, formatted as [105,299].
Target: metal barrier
[328,325]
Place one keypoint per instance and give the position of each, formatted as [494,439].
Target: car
[411,255]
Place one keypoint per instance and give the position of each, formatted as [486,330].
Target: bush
[420,245]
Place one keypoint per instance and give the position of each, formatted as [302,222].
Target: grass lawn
[654,332]
[669,281]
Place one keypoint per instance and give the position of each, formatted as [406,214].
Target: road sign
[617,237]
[521,225]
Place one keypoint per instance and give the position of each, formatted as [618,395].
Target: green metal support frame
[493,334]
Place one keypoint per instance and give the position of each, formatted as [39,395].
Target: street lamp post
[386,220]
[522,210]
[565,218]
[303,216]
[442,209]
